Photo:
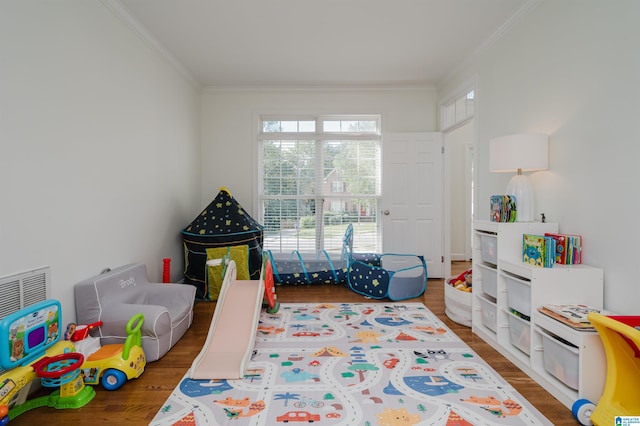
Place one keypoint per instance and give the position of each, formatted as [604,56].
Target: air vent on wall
[24,289]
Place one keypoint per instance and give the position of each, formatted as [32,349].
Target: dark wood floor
[137,402]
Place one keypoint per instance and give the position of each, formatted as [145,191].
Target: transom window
[317,175]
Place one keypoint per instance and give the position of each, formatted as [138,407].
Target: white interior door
[412,197]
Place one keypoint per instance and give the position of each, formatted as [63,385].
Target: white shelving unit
[502,284]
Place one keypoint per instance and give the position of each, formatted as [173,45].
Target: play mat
[386,364]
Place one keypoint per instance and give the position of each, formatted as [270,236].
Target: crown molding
[139,30]
[346,87]
[492,39]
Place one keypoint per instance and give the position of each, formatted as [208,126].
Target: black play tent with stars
[224,223]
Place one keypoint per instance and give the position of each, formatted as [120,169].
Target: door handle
[386,212]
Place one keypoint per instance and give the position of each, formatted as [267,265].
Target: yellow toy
[30,348]
[621,396]
[110,365]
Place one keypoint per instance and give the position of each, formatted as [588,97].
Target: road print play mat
[386,364]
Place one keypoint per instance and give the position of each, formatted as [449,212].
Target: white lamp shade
[525,151]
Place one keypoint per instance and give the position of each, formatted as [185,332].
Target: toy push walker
[111,365]
[30,348]
[621,395]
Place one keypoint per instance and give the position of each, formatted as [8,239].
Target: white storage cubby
[520,333]
[488,312]
[524,288]
[489,247]
[518,294]
[581,352]
[489,279]
[561,359]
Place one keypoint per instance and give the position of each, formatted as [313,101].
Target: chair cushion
[115,296]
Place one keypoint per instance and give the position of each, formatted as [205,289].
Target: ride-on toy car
[110,365]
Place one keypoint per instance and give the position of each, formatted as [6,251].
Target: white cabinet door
[412,197]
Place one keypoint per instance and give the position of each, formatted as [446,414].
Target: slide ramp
[232,333]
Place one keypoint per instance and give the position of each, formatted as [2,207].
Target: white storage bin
[561,360]
[518,295]
[457,304]
[489,245]
[520,333]
[489,280]
[489,313]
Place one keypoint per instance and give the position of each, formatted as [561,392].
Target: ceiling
[251,43]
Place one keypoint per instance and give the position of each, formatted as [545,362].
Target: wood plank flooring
[137,402]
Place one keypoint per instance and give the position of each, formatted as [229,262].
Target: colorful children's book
[568,248]
[510,212]
[496,208]
[503,208]
[561,247]
[574,250]
[538,250]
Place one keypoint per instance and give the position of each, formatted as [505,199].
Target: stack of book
[568,248]
[573,315]
[538,250]
[503,208]
[548,249]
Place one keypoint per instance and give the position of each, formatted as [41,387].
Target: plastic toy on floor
[110,365]
[621,395]
[378,276]
[30,348]
[228,348]
[388,275]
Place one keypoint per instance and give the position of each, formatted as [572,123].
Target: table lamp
[522,152]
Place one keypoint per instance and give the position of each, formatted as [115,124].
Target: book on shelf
[573,315]
[538,250]
[503,208]
[568,248]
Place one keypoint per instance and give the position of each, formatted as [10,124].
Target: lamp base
[521,188]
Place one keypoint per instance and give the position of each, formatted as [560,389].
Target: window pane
[331,126]
[356,163]
[289,225]
[311,189]
[288,167]
[450,115]
[350,126]
[461,109]
[368,126]
[361,213]
[270,126]
[308,126]
[289,126]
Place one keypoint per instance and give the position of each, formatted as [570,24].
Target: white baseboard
[459,257]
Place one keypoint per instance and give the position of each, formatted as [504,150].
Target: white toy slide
[229,345]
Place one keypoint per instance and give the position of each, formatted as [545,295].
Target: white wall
[99,162]
[570,69]
[230,117]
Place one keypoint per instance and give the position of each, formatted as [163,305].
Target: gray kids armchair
[114,296]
